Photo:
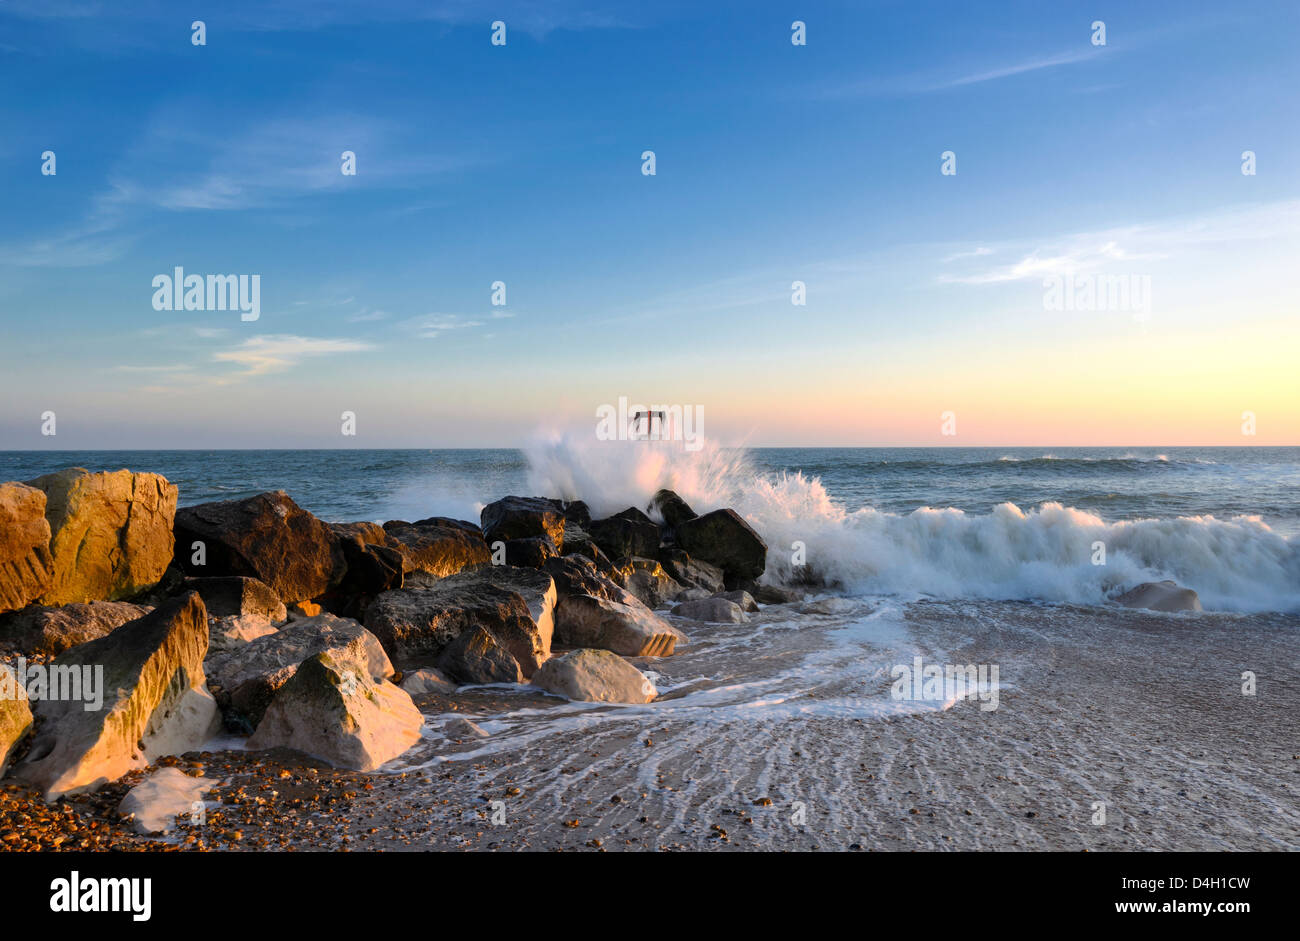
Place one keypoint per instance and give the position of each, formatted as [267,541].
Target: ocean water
[938,523]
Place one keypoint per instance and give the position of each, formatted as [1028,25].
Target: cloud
[277,352]
[1070,254]
[431,326]
[368,316]
[930,82]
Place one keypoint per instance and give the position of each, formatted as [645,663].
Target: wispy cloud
[1144,242]
[431,326]
[932,82]
[276,352]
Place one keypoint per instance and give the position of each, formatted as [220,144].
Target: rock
[672,508]
[155,802]
[832,606]
[1160,596]
[725,540]
[577,575]
[152,690]
[772,594]
[530,553]
[110,533]
[632,630]
[630,533]
[230,633]
[715,609]
[475,656]
[268,537]
[438,545]
[463,728]
[15,715]
[26,565]
[185,725]
[689,571]
[235,595]
[51,631]
[246,679]
[692,594]
[578,542]
[647,579]
[521,518]
[333,711]
[369,568]
[594,676]
[304,610]
[743,598]
[424,681]
[576,512]
[515,605]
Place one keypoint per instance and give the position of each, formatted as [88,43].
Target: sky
[934,301]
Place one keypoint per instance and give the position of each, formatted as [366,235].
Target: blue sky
[522,164]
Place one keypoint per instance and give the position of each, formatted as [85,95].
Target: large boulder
[333,711]
[578,575]
[236,596]
[1161,596]
[689,571]
[630,533]
[26,566]
[438,545]
[630,629]
[672,508]
[15,714]
[718,610]
[727,541]
[521,518]
[515,605]
[154,702]
[742,598]
[594,676]
[647,579]
[51,631]
[110,533]
[531,553]
[245,679]
[427,680]
[368,570]
[232,632]
[475,656]
[268,537]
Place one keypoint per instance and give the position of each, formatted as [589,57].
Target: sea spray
[1047,553]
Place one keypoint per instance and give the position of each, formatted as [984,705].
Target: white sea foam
[1044,553]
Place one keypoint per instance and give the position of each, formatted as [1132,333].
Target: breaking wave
[1043,553]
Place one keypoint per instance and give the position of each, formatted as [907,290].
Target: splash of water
[1047,553]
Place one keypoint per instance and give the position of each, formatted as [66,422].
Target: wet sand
[781,735]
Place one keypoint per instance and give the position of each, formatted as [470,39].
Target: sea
[1063,524]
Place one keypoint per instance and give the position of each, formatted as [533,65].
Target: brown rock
[154,702]
[630,629]
[245,679]
[523,517]
[438,545]
[110,533]
[26,565]
[515,605]
[268,537]
[50,631]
